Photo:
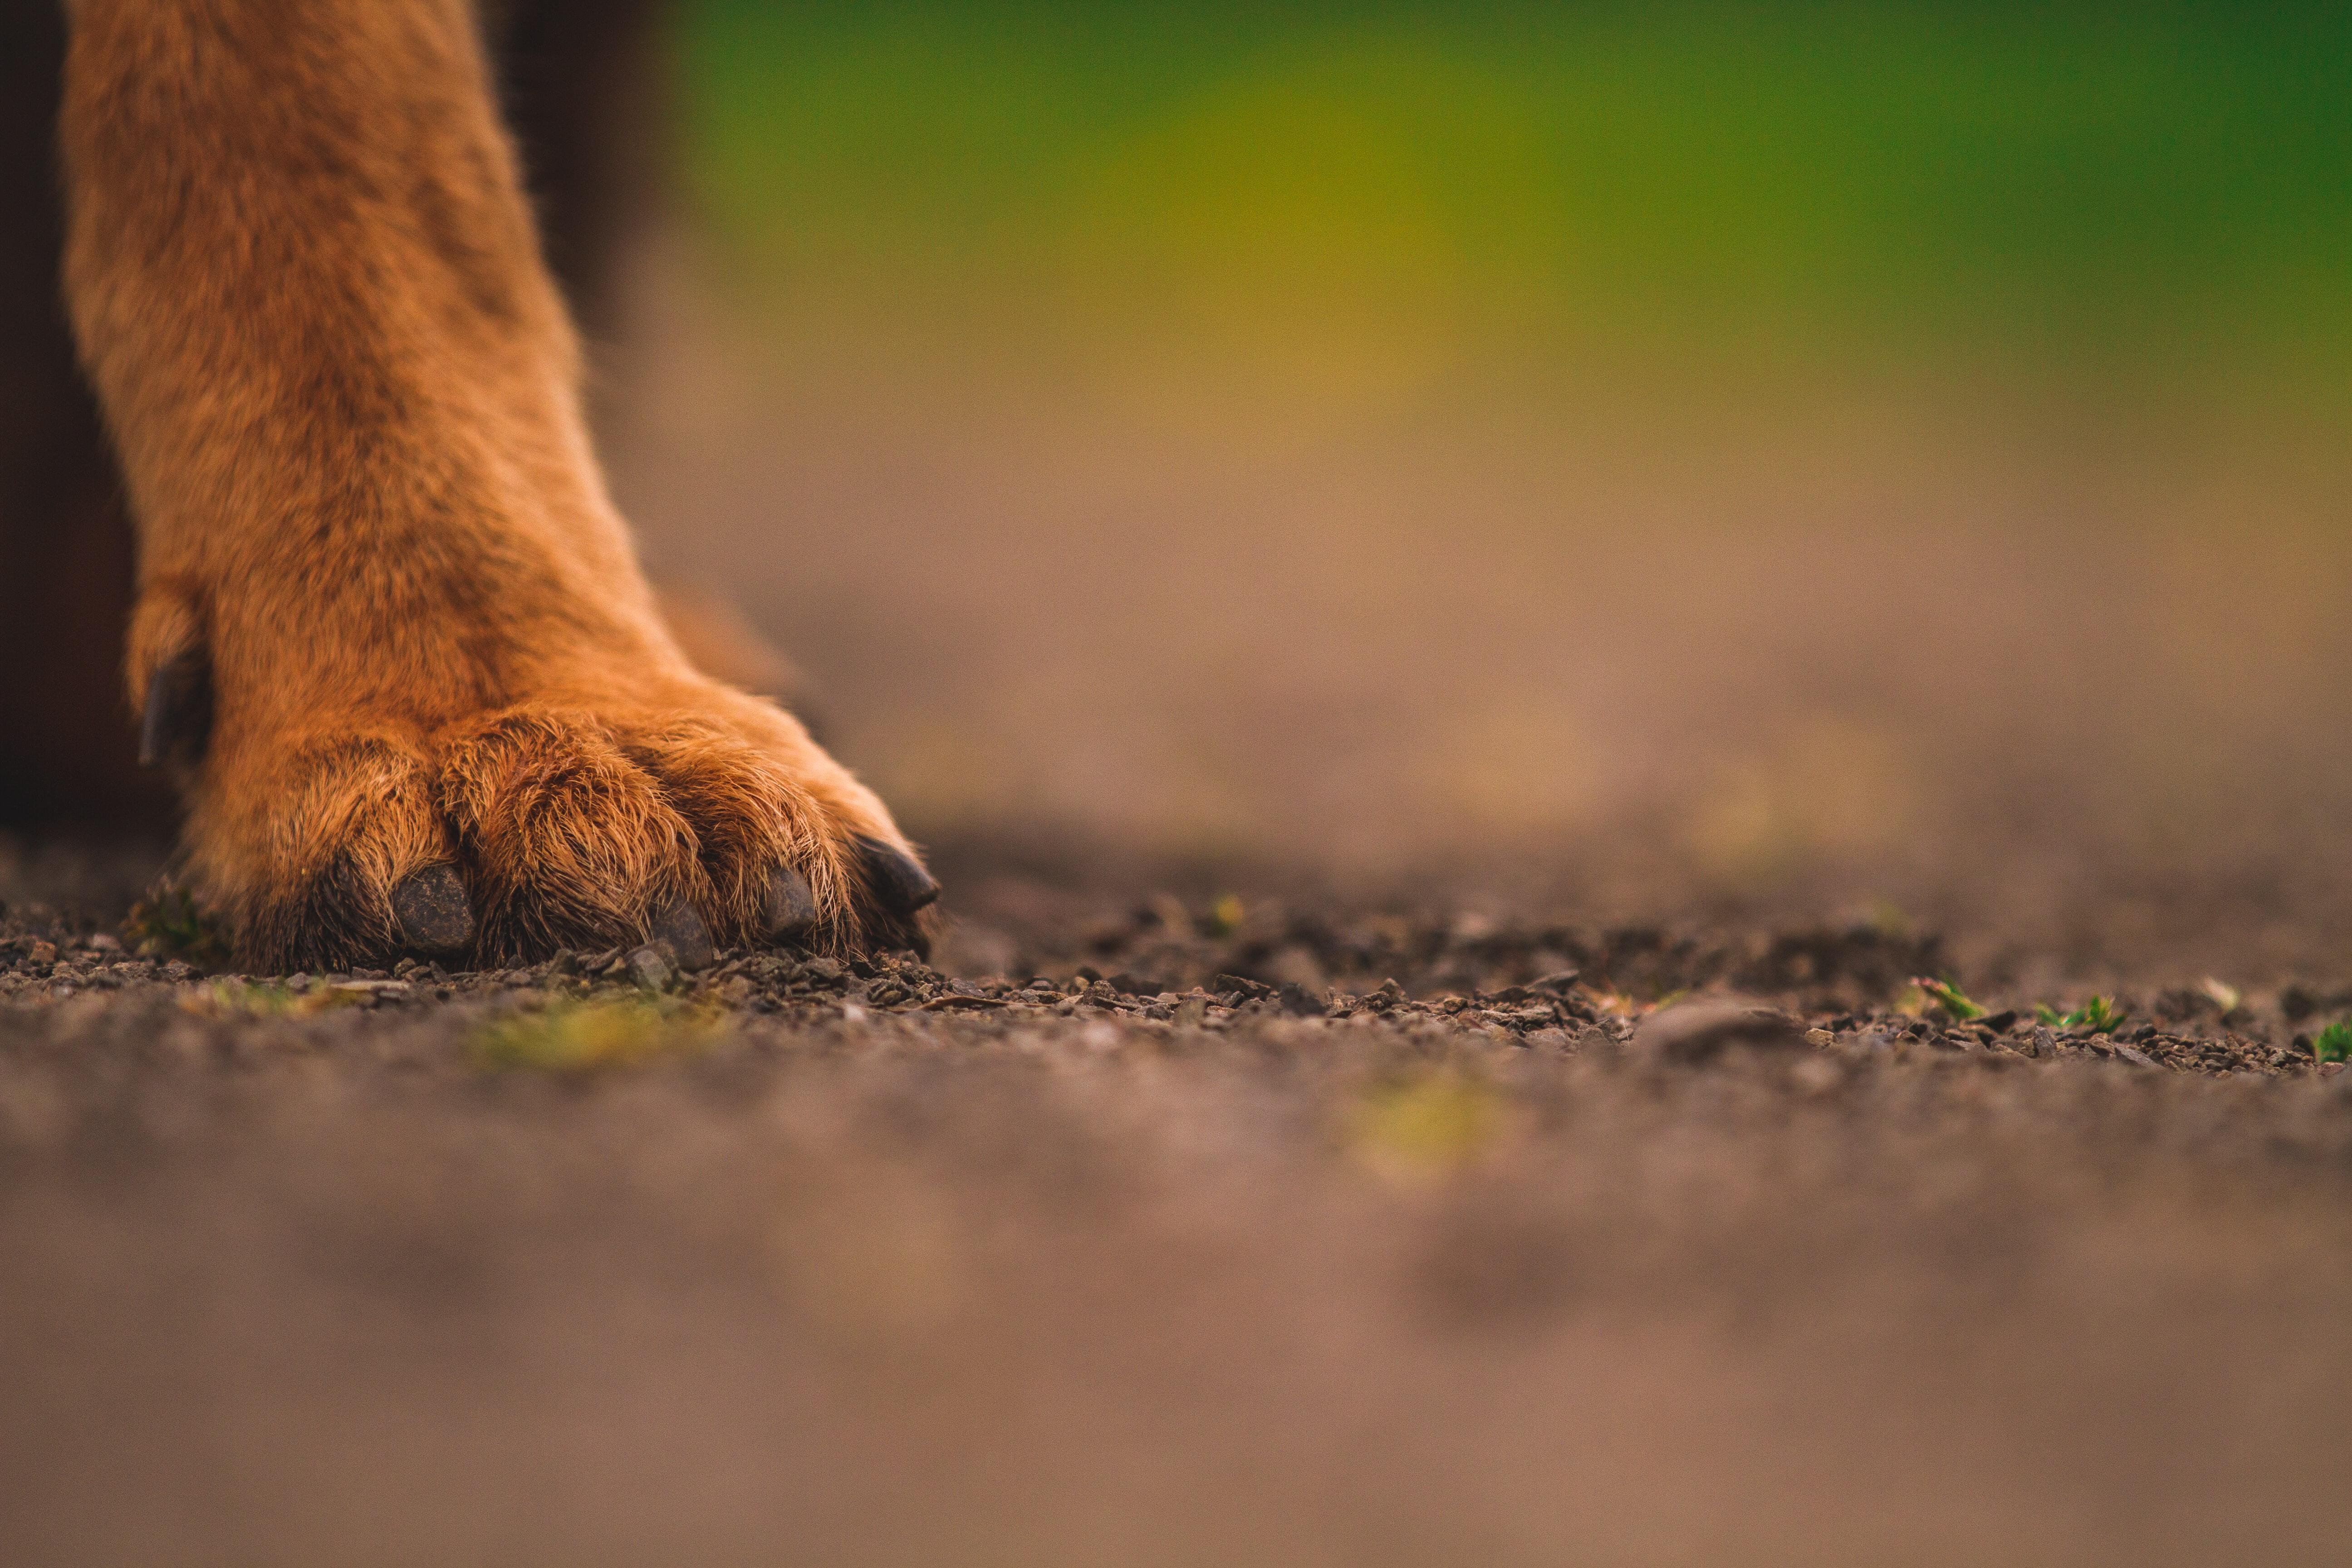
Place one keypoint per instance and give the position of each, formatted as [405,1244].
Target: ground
[1235,1253]
[1166,1220]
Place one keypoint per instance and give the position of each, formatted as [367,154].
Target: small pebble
[1700,1030]
[650,969]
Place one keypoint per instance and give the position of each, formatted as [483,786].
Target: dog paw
[704,820]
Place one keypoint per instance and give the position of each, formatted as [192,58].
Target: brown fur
[344,393]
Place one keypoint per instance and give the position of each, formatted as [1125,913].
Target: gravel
[1258,1228]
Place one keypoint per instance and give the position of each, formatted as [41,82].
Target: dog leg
[345,393]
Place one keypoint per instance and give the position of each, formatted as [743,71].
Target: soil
[1245,1221]
[1423,1066]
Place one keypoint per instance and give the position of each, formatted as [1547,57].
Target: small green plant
[167,924]
[1944,993]
[2100,1015]
[2334,1043]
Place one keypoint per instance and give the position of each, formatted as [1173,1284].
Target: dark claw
[902,885]
[791,906]
[430,908]
[689,940]
[179,717]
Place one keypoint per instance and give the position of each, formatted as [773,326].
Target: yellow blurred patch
[243,998]
[1295,235]
[1427,1128]
[576,1037]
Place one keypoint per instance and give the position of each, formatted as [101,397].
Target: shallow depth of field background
[1771,445]
[1731,472]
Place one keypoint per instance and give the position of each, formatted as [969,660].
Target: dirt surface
[1261,1226]
[1285,1157]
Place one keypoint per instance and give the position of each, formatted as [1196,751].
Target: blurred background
[1723,470]
[1888,455]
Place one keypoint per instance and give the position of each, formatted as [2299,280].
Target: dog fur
[387,619]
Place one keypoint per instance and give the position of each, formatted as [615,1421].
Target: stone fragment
[1300,1001]
[1701,1030]
[650,968]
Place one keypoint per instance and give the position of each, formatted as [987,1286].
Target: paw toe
[433,916]
[681,931]
[791,908]
[898,883]
[565,841]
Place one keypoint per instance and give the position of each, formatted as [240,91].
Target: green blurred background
[1343,201]
[1840,451]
